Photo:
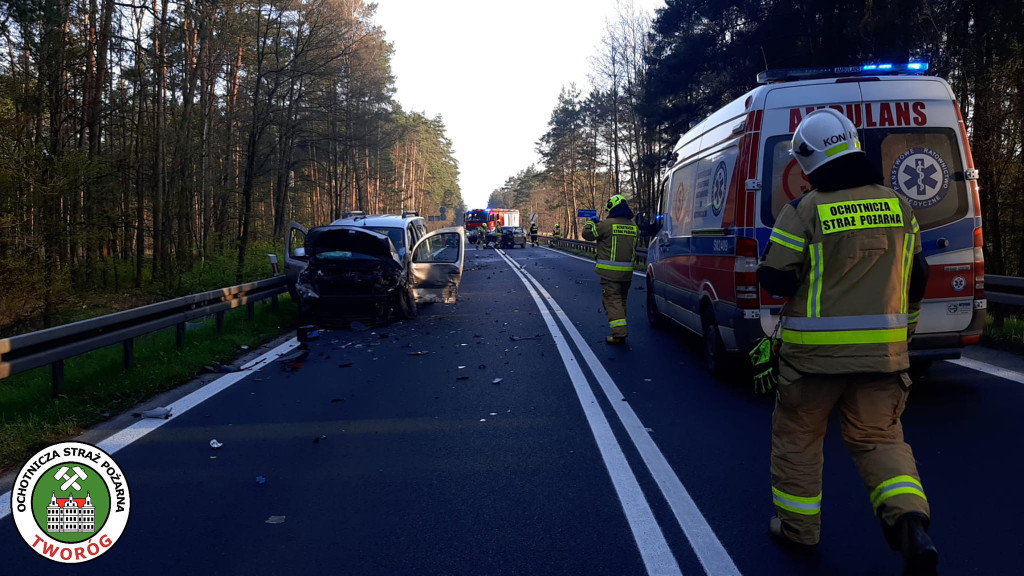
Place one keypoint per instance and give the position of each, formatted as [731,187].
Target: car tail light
[979,265]
[745,270]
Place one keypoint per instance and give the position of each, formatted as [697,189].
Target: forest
[142,141]
[655,75]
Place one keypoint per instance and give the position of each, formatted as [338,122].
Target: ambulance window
[680,209]
[924,165]
[783,180]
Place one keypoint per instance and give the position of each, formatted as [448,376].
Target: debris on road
[215,445]
[497,381]
[275,520]
[419,353]
[297,355]
[345,365]
[335,400]
[518,338]
[319,438]
[462,377]
[307,333]
[261,480]
[159,412]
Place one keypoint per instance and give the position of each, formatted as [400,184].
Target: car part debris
[419,353]
[261,480]
[307,333]
[159,412]
[215,445]
[275,520]
[497,381]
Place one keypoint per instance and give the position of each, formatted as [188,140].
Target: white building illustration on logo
[70,514]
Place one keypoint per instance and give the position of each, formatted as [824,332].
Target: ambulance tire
[654,318]
[715,356]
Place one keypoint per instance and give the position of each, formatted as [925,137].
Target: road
[501,435]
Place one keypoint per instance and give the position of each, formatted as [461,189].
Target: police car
[727,179]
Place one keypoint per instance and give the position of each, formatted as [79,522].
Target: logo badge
[959,283]
[922,176]
[70,502]
[719,189]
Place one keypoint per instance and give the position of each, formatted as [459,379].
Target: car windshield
[397,236]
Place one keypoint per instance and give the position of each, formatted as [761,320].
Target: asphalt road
[501,435]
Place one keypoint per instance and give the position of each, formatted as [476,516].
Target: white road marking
[139,429]
[990,369]
[708,548]
[650,540]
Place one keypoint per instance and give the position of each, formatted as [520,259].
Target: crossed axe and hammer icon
[72,480]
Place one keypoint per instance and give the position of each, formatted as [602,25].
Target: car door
[436,265]
[295,258]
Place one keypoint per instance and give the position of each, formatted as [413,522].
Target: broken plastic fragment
[319,438]
[214,444]
[462,377]
[261,480]
[497,381]
[345,365]
[275,520]
[419,353]
[159,412]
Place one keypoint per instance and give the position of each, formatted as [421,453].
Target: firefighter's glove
[764,357]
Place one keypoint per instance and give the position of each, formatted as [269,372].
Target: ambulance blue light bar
[791,74]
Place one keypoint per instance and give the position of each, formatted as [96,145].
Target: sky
[493,72]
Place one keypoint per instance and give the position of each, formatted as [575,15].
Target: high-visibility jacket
[853,251]
[533,229]
[558,231]
[616,247]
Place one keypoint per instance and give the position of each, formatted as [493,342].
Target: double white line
[650,540]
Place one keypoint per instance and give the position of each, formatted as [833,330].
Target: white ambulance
[728,177]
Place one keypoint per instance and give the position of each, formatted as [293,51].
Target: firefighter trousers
[613,295]
[870,406]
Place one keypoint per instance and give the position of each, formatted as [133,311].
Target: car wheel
[714,350]
[406,304]
[654,318]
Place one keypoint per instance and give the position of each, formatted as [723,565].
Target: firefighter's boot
[910,538]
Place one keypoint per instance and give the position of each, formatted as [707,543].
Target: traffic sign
[585,213]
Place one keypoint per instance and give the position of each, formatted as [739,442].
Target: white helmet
[823,136]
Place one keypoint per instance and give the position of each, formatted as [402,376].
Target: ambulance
[727,179]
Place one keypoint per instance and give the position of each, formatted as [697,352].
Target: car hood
[367,244]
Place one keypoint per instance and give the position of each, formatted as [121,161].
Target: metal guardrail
[54,345]
[641,253]
[1005,296]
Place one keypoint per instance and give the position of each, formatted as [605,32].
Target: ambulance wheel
[714,350]
[654,318]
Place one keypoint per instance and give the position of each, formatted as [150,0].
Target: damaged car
[375,267]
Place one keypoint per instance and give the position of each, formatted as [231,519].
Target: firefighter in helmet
[616,238]
[558,231]
[848,256]
[533,233]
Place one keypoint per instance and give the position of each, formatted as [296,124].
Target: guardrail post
[179,335]
[57,377]
[220,322]
[250,310]
[129,353]
[273,302]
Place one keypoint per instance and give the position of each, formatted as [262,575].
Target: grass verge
[96,386]
[1010,336]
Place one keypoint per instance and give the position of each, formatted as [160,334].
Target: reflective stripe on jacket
[616,247]
[853,251]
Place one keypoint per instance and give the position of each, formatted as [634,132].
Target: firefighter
[533,233]
[481,231]
[848,256]
[558,231]
[616,238]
